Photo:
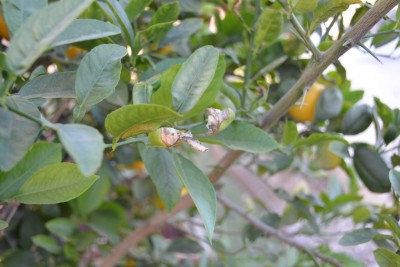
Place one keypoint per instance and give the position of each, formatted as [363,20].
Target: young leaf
[166,13]
[98,74]
[243,136]
[38,156]
[193,78]
[184,245]
[303,5]
[358,236]
[163,96]
[48,243]
[200,189]
[160,165]
[290,133]
[84,144]
[135,7]
[49,22]
[85,29]
[136,119]
[62,227]
[56,85]
[386,258]
[16,133]
[319,138]
[268,27]
[53,184]
[16,12]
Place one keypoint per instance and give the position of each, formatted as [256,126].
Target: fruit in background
[306,112]
[73,51]
[325,158]
[4,29]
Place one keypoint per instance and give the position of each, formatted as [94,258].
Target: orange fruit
[4,29]
[73,51]
[306,111]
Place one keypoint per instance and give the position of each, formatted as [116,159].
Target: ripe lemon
[73,51]
[4,29]
[306,112]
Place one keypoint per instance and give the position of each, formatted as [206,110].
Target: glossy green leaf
[98,74]
[3,225]
[193,78]
[84,144]
[96,194]
[200,189]
[49,22]
[290,133]
[231,93]
[166,13]
[135,7]
[16,12]
[303,5]
[358,236]
[372,169]
[184,245]
[160,165]
[85,29]
[53,184]
[383,39]
[268,27]
[318,138]
[183,31]
[17,133]
[163,95]
[155,33]
[38,156]
[117,15]
[62,227]
[56,85]
[394,177]
[136,119]
[141,93]
[243,136]
[386,258]
[47,243]
[329,8]
[329,104]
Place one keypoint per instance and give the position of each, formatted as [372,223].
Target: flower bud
[218,120]
[164,137]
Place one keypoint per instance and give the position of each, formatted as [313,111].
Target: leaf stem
[127,142]
[382,33]
[301,32]
[23,114]
[6,86]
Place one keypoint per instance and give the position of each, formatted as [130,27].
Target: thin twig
[276,233]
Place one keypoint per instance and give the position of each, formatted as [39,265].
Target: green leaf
[155,33]
[62,227]
[386,258]
[268,28]
[3,225]
[85,29]
[163,95]
[303,5]
[200,189]
[136,119]
[47,243]
[318,138]
[383,39]
[290,133]
[53,184]
[135,7]
[384,112]
[243,136]
[56,85]
[184,245]
[193,78]
[358,236]
[84,144]
[327,9]
[121,95]
[49,22]
[16,12]
[183,31]
[394,177]
[372,169]
[16,133]
[98,74]
[166,13]
[160,165]
[38,156]
[117,15]
[96,194]
[329,104]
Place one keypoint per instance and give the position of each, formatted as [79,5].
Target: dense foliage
[113,113]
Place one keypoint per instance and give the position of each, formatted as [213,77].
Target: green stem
[328,29]
[271,66]
[382,33]
[5,88]
[250,56]
[127,142]
[23,114]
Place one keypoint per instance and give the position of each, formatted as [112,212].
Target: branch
[274,232]
[312,72]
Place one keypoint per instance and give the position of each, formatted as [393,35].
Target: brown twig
[312,72]
[276,233]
